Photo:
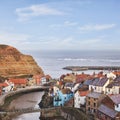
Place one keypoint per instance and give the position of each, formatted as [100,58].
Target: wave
[92,60]
[72,59]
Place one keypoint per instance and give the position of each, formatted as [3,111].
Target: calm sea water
[52,62]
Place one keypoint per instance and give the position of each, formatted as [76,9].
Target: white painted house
[55,90]
[99,85]
[9,86]
[111,75]
[80,98]
[114,86]
[43,80]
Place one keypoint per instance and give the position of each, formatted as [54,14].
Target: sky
[60,24]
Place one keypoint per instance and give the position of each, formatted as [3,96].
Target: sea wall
[20,91]
[67,113]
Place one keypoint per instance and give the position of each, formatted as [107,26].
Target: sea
[53,62]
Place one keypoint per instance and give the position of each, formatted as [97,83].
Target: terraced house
[62,96]
[93,100]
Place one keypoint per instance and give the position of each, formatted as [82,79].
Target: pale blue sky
[60,24]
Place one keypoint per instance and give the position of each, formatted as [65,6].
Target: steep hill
[14,63]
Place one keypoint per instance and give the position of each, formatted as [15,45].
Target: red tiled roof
[83,93]
[116,72]
[18,81]
[3,84]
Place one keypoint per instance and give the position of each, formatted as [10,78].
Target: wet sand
[29,100]
[28,116]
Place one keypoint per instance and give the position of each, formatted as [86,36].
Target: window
[94,104]
[117,105]
[88,103]
[94,110]
[88,108]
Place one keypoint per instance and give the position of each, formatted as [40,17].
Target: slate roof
[117,79]
[88,82]
[94,95]
[69,85]
[113,84]
[95,81]
[102,81]
[115,98]
[107,111]
[99,81]
[110,85]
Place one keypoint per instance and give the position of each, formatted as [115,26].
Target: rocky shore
[47,101]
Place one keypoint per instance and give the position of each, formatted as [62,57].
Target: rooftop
[107,111]
[83,93]
[18,81]
[66,91]
[115,98]
[94,95]
[3,84]
[99,81]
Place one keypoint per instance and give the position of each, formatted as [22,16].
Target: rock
[47,101]
[14,63]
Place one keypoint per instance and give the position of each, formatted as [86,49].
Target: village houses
[62,96]
[109,108]
[6,87]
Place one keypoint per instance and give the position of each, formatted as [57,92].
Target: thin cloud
[36,10]
[68,23]
[13,38]
[65,24]
[96,27]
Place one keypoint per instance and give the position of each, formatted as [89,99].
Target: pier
[82,68]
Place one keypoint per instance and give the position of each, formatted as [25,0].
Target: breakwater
[80,68]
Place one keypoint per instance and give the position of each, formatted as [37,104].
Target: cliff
[14,63]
